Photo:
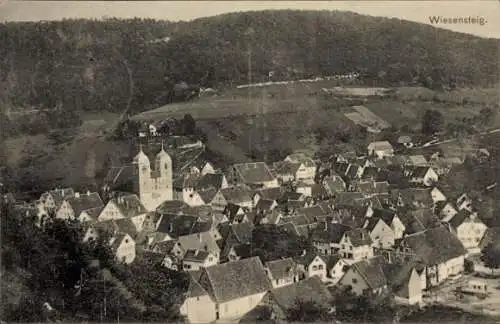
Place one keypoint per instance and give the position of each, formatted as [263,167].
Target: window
[315,267]
[354,280]
[350,248]
[320,267]
[343,246]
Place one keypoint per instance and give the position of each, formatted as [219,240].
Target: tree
[432,122]
[491,255]
[188,125]
[306,311]
[271,242]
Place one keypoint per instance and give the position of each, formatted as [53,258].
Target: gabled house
[124,206]
[282,272]
[254,174]
[468,228]
[194,260]
[123,246]
[307,167]
[464,202]
[356,244]
[445,210]
[380,232]
[327,237]
[421,175]
[404,281]
[86,206]
[239,195]
[336,267]
[268,194]
[311,264]
[380,149]
[239,251]
[204,241]
[334,184]
[390,218]
[440,263]
[366,277]
[202,167]
[235,235]
[51,201]
[227,291]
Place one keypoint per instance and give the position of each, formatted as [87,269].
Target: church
[153,185]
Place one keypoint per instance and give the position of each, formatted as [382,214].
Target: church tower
[153,186]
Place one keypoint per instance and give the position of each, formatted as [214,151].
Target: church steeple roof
[141,157]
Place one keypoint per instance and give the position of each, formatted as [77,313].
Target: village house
[421,175]
[390,218]
[380,149]
[333,184]
[445,210]
[381,233]
[366,277]
[307,168]
[124,206]
[202,167]
[255,174]
[194,260]
[51,201]
[469,229]
[440,263]
[326,237]
[123,246]
[234,236]
[311,264]
[240,195]
[356,244]
[282,272]
[464,202]
[83,207]
[204,241]
[226,291]
[336,267]
[283,298]
[405,282]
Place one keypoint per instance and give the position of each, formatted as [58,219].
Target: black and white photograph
[244,162]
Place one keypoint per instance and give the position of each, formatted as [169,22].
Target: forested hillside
[79,281]
[109,64]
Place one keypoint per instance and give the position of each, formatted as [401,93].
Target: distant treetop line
[87,64]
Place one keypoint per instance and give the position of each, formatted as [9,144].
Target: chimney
[304,252]
[77,195]
[171,228]
[88,192]
[196,252]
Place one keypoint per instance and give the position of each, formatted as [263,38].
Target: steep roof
[207,195]
[270,193]
[129,205]
[125,225]
[492,235]
[329,232]
[83,202]
[242,232]
[424,245]
[199,241]
[371,271]
[280,269]
[347,198]
[195,289]
[177,225]
[210,180]
[386,215]
[237,194]
[333,185]
[236,279]
[359,237]
[254,172]
[286,168]
[310,289]
[264,204]
[195,255]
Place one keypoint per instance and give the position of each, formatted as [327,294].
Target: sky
[487,11]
